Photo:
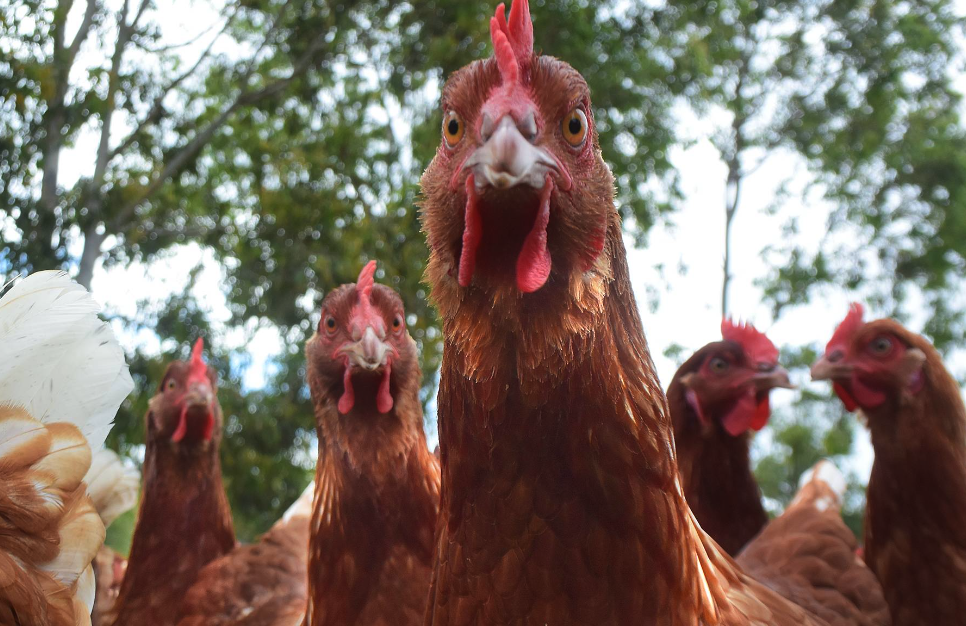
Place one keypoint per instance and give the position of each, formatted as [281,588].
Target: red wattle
[533,264]
[348,399]
[209,426]
[865,395]
[182,428]
[743,415]
[762,413]
[845,397]
[472,234]
[384,397]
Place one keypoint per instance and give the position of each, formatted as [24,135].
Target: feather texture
[62,379]
[112,485]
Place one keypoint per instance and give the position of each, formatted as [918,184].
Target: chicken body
[561,501]
[62,379]
[376,482]
[184,521]
[915,538]
[807,554]
[717,398]
[262,584]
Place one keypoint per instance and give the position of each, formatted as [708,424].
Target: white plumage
[61,362]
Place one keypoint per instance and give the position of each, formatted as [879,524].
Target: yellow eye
[574,127]
[396,323]
[452,128]
[330,324]
[171,384]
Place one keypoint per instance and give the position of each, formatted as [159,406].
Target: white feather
[61,362]
[112,485]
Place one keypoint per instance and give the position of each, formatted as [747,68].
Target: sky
[686,310]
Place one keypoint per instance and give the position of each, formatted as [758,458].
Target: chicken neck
[184,523]
[915,535]
[376,499]
[719,484]
[561,493]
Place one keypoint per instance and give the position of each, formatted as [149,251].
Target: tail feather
[823,485]
[62,379]
[112,485]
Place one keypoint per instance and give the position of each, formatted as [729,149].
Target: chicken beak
[369,352]
[776,378]
[831,367]
[199,394]
[508,159]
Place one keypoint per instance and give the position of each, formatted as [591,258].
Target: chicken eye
[881,346]
[397,323]
[574,128]
[171,384]
[718,365]
[452,128]
[329,324]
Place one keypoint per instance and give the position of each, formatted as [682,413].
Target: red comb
[365,281]
[848,326]
[513,41]
[754,342]
[197,368]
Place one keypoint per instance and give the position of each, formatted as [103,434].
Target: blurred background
[213,167]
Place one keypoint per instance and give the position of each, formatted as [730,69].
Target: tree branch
[192,148]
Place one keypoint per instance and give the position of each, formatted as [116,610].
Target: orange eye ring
[453,128]
[330,324]
[397,323]
[574,127]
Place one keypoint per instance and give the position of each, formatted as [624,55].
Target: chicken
[62,379]
[808,555]
[561,501]
[184,521]
[376,482]
[113,487]
[717,398]
[366,541]
[915,538]
[259,584]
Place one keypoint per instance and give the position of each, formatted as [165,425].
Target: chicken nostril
[487,127]
[528,126]
[835,356]
[767,367]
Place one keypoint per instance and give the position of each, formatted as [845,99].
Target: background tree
[285,139]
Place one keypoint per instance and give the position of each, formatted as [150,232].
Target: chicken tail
[62,379]
[823,485]
[112,485]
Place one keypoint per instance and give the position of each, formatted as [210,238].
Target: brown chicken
[915,527]
[376,482]
[717,398]
[184,521]
[62,379]
[262,584]
[561,501]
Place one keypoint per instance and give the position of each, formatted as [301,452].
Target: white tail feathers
[824,485]
[61,362]
[112,485]
[62,379]
[302,507]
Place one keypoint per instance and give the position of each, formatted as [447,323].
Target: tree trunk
[92,252]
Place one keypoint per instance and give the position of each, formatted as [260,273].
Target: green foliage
[292,146]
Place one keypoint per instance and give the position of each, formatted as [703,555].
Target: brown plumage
[184,521]
[808,555]
[915,538]
[262,584]
[718,397]
[109,568]
[561,501]
[376,482]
